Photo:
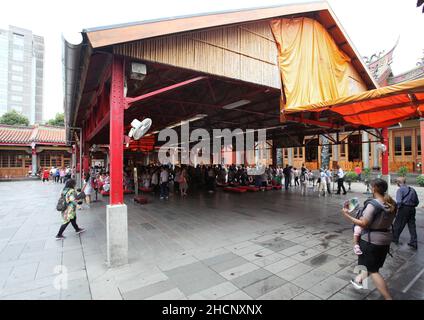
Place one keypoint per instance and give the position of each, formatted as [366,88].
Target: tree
[58,121]
[14,118]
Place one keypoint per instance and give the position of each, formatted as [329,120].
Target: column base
[117,235]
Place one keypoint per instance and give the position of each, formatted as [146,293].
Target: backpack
[414,197]
[62,205]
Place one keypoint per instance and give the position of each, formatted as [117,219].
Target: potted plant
[420,180]
[350,177]
[403,171]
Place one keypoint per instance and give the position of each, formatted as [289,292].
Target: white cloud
[372,25]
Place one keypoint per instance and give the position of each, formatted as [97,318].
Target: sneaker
[414,246]
[357,250]
[357,285]
[81,230]
[60,238]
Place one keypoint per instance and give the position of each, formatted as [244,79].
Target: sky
[372,25]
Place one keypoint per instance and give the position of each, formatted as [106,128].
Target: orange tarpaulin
[378,108]
[313,68]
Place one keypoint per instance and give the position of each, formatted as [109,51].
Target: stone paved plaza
[267,245]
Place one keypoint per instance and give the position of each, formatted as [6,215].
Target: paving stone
[194,278]
[319,260]
[285,292]
[277,244]
[251,278]
[305,295]
[305,255]
[173,294]
[238,295]
[310,279]
[334,265]
[262,287]
[294,272]
[239,271]
[328,287]
[265,261]
[281,265]
[293,250]
[215,292]
[149,291]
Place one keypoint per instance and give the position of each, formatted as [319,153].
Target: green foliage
[420,180]
[366,174]
[351,176]
[58,121]
[14,118]
[403,171]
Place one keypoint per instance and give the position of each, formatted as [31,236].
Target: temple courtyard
[265,245]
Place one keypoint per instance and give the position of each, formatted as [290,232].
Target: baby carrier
[380,210]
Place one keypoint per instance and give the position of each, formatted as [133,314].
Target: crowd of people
[55,174]
[160,179]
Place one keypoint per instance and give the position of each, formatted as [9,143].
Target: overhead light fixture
[235,105]
[195,118]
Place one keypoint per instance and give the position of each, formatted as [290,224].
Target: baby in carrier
[353,206]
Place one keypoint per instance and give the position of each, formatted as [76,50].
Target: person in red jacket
[46,174]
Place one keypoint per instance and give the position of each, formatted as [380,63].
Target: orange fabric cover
[378,108]
[312,67]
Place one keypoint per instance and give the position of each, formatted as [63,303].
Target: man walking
[287,176]
[164,178]
[340,181]
[407,201]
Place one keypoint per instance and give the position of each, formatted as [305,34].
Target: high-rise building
[21,73]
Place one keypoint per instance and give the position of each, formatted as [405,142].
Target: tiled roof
[21,135]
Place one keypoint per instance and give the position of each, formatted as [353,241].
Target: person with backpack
[407,201]
[67,205]
[375,219]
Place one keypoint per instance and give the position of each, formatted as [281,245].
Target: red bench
[147,190]
[250,188]
[278,187]
[104,193]
[234,190]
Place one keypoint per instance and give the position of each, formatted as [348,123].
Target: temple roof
[25,136]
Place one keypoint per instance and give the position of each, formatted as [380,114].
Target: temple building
[404,138]
[25,151]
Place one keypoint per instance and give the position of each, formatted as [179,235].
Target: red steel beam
[312,122]
[130,101]
[117,106]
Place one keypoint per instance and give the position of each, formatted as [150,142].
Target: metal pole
[81,144]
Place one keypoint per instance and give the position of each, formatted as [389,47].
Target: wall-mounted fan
[139,129]
[382,147]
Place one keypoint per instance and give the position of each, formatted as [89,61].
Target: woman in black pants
[376,221]
[70,213]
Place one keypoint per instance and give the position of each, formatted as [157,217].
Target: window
[17,88]
[343,149]
[18,39]
[419,145]
[407,144]
[17,78]
[398,146]
[12,159]
[301,152]
[17,68]
[17,98]
[18,55]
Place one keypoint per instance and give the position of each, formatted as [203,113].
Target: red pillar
[422,144]
[117,106]
[86,163]
[385,155]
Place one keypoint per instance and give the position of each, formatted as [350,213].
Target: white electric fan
[139,129]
